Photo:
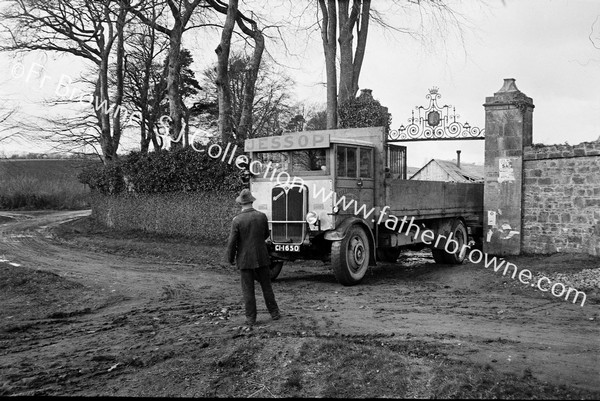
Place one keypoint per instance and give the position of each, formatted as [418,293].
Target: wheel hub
[358,253]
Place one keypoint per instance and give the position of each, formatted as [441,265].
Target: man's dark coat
[249,231]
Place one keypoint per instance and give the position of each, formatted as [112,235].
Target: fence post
[508,129]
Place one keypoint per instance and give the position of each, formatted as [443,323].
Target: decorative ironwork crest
[435,122]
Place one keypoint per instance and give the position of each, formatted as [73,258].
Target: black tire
[350,256]
[389,255]
[275,269]
[460,235]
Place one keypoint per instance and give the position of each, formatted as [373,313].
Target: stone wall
[561,198]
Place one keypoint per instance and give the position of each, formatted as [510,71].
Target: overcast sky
[544,44]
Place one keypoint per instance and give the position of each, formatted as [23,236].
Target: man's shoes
[276,316]
[250,322]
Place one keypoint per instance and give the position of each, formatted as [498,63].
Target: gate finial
[509,86]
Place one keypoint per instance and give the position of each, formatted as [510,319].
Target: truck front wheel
[350,256]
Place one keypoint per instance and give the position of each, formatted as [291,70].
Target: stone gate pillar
[508,128]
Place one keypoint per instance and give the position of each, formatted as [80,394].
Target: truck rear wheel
[350,256]
[275,269]
[460,237]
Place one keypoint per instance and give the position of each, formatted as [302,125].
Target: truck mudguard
[340,231]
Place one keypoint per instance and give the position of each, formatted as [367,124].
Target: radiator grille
[288,206]
[279,199]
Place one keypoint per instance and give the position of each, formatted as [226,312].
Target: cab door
[354,179]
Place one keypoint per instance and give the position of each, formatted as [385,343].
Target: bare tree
[270,101]
[328,36]
[8,130]
[253,66]
[351,59]
[181,15]
[86,29]
[338,22]
[250,28]
[222,79]
[75,131]
[145,81]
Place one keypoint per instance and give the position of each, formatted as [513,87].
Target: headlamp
[312,218]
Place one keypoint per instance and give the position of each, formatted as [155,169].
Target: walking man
[246,245]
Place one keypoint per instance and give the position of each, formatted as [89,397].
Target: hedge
[178,192]
[179,170]
[364,111]
[202,216]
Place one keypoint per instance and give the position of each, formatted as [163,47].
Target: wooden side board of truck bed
[434,199]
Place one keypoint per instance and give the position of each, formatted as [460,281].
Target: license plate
[287,248]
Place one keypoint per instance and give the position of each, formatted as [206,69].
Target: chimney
[458,158]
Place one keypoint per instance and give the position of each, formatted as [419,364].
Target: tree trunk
[346,23]
[361,44]
[155,110]
[157,145]
[246,121]
[174,82]
[101,105]
[146,130]
[120,75]
[145,125]
[224,94]
[186,131]
[328,36]
[144,138]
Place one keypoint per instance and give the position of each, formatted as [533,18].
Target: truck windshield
[296,161]
[309,160]
[278,160]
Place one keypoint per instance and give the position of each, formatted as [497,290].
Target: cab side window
[341,161]
[366,163]
[354,162]
[346,161]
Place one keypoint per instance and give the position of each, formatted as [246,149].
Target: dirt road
[89,312]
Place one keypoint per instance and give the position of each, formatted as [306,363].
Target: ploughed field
[90,312]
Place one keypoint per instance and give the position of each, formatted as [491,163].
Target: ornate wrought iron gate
[434,123]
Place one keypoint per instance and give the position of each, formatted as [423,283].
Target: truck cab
[324,194]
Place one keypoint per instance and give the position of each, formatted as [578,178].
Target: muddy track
[125,312]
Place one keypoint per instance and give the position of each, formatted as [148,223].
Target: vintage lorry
[341,196]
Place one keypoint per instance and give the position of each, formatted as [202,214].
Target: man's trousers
[263,276]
